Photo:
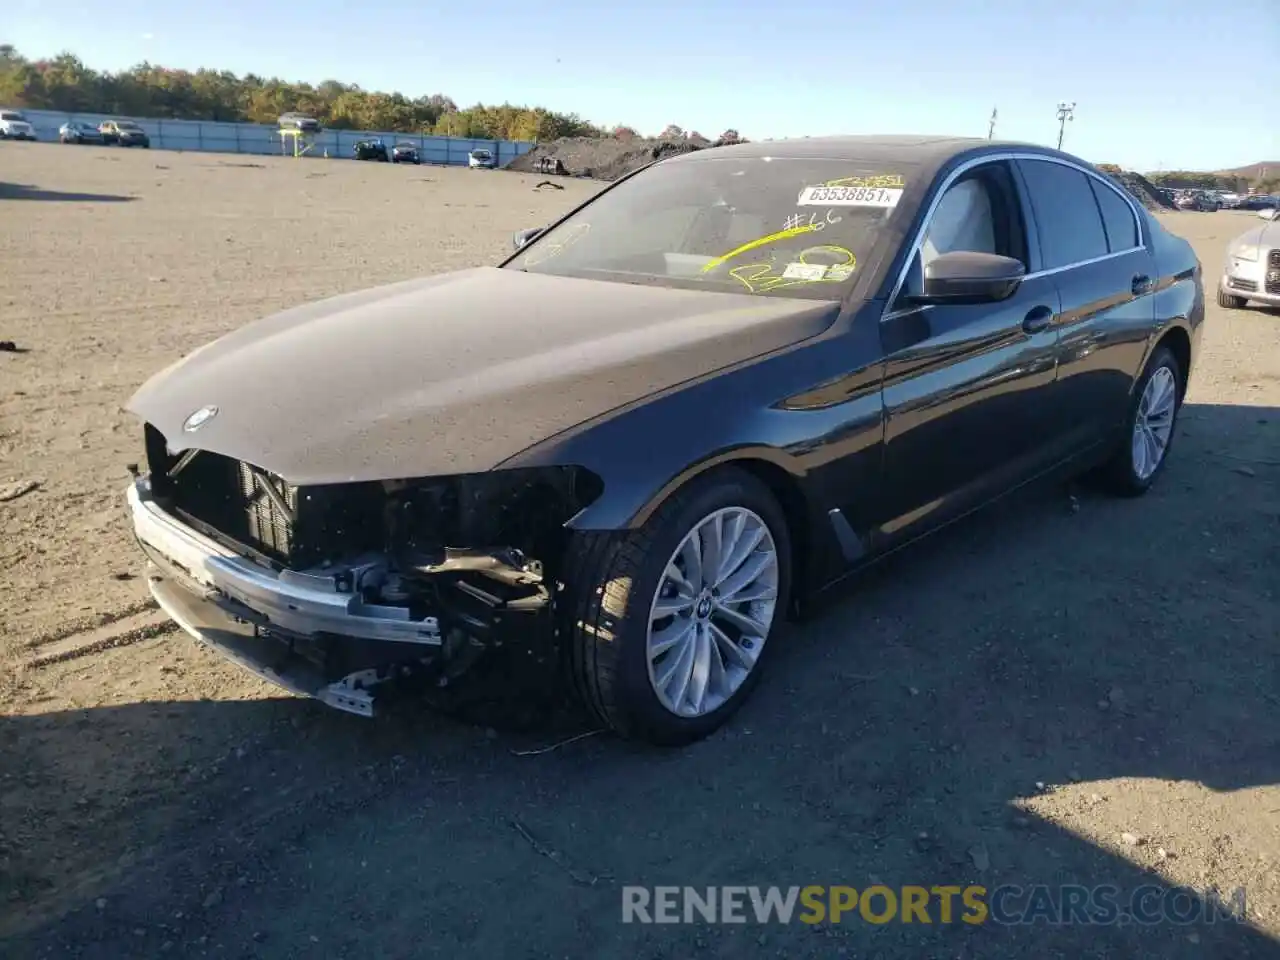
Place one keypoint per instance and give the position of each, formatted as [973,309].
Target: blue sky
[1158,83]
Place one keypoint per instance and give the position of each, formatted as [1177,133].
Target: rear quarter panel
[1179,290]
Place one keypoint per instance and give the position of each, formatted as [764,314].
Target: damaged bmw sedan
[635,447]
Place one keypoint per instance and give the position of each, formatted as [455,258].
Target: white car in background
[15,126]
[481,160]
[1252,270]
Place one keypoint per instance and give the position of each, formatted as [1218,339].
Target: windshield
[771,226]
[127,125]
[11,115]
[481,154]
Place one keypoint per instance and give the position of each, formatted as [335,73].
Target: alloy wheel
[1153,424]
[712,612]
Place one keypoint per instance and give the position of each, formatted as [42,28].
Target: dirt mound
[1142,189]
[602,158]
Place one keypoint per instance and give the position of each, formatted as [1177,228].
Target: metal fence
[261,138]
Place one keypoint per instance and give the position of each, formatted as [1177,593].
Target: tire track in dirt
[120,633]
[89,623]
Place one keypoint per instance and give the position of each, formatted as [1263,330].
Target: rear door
[968,389]
[1092,244]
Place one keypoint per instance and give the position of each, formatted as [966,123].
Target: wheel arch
[773,468]
[1178,342]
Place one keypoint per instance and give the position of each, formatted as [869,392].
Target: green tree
[146,90]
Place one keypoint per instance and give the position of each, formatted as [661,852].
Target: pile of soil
[604,158]
[1143,190]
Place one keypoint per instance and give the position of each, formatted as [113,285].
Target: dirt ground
[1002,705]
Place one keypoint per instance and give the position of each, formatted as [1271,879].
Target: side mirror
[522,238]
[967,277]
[1269,213]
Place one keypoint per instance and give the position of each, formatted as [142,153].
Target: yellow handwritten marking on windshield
[881,181]
[538,255]
[762,241]
[760,278]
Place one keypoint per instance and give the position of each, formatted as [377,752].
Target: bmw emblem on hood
[199,419]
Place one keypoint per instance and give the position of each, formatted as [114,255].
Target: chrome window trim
[918,238]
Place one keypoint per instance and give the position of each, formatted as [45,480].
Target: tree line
[66,84]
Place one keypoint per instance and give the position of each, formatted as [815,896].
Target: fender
[605,517]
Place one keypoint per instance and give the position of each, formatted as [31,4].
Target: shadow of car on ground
[20,191]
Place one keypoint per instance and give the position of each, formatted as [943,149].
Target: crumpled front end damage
[337,591]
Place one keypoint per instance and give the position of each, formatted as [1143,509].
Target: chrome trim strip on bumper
[295,602]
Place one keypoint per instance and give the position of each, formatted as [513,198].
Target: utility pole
[991,125]
[1066,111]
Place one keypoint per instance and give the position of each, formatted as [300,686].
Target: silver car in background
[1252,268]
[77,131]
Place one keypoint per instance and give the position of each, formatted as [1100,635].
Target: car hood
[453,373]
[1264,233]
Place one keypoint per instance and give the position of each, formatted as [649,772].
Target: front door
[969,390]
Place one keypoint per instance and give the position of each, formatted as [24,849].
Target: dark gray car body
[873,422]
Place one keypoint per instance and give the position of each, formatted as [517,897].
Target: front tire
[1149,429]
[1230,301]
[667,627]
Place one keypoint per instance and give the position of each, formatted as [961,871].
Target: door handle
[1037,319]
[1141,284]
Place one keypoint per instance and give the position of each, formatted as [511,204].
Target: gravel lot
[999,706]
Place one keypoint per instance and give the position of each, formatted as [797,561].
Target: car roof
[920,150]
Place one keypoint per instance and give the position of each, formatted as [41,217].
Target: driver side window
[962,221]
[980,212]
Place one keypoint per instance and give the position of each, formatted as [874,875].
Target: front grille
[1272,282]
[1237,284]
[246,506]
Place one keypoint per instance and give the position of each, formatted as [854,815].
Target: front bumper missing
[267,621]
[265,656]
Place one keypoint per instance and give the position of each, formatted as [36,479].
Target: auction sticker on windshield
[805,271]
[886,197]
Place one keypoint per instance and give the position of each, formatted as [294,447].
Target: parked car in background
[1229,200]
[481,160]
[371,150]
[78,131]
[1252,267]
[299,121]
[14,125]
[123,133]
[1196,200]
[629,457]
[406,153]
[1259,201]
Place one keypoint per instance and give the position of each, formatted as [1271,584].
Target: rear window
[771,226]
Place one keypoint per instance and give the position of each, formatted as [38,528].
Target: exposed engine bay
[365,582]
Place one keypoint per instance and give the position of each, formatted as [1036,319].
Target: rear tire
[612,591]
[1152,420]
[1230,301]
